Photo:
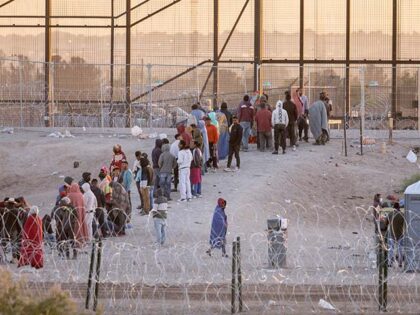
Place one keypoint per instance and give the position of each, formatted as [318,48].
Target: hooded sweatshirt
[279,115]
[157,151]
[167,161]
[89,198]
[184,134]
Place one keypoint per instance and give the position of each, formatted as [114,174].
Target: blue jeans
[196,189]
[160,229]
[246,126]
[165,184]
[152,200]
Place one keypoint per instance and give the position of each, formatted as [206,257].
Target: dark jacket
[235,134]
[245,112]
[396,224]
[147,172]
[291,110]
[100,196]
[157,151]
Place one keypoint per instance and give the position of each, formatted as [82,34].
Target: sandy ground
[324,194]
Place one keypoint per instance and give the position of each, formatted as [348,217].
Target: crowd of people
[102,206]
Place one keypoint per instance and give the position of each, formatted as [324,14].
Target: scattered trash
[198,223]
[153,135]
[368,141]
[58,134]
[76,164]
[163,136]
[355,232]
[136,131]
[325,305]
[84,128]
[8,130]
[336,164]
[54,173]
[355,197]
[122,136]
[61,176]
[411,157]
[287,201]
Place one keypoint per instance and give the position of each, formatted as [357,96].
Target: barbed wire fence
[320,268]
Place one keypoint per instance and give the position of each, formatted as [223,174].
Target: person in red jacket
[213,138]
[263,120]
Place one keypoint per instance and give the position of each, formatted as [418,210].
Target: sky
[322,16]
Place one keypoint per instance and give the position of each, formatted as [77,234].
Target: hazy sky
[323,16]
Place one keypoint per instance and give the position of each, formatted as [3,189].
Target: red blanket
[31,252]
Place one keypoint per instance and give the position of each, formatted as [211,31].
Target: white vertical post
[149,74]
[21,92]
[362,97]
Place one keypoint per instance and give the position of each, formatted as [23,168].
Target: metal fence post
[238,252]
[98,269]
[51,111]
[149,80]
[21,92]
[362,106]
[89,285]
[233,288]
[418,100]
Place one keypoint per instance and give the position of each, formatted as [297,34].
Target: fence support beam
[111,73]
[394,58]
[47,60]
[215,51]
[257,44]
[301,42]
[128,64]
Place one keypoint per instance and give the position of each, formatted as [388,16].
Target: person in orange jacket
[213,137]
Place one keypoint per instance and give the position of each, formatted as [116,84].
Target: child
[159,214]
[196,165]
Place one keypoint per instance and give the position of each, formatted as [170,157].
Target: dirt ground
[324,194]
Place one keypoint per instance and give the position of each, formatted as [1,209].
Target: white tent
[413,189]
[412,231]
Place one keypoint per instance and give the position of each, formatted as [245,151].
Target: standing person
[90,204]
[126,178]
[119,208]
[280,121]
[184,164]
[31,250]
[197,112]
[223,143]
[63,189]
[157,151]
[137,176]
[213,137]
[263,120]
[219,228]
[117,157]
[197,135]
[303,109]
[78,203]
[183,133]
[292,114]
[328,108]
[174,151]
[246,118]
[160,215]
[228,114]
[234,144]
[196,165]
[395,221]
[146,185]
[167,163]
[104,184]
[85,179]
[100,212]
[318,121]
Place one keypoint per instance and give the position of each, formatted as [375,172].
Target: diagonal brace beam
[6,3]
[225,45]
[133,8]
[155,12]
[171,79]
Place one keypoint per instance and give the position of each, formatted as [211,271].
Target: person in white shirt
[184,164]
[279,120]
[174,149]
[90,206]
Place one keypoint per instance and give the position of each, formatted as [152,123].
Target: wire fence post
[233,287]
[418,100]
[89,285]
[98,269]
[52,91]
[21,92]
[239,271]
